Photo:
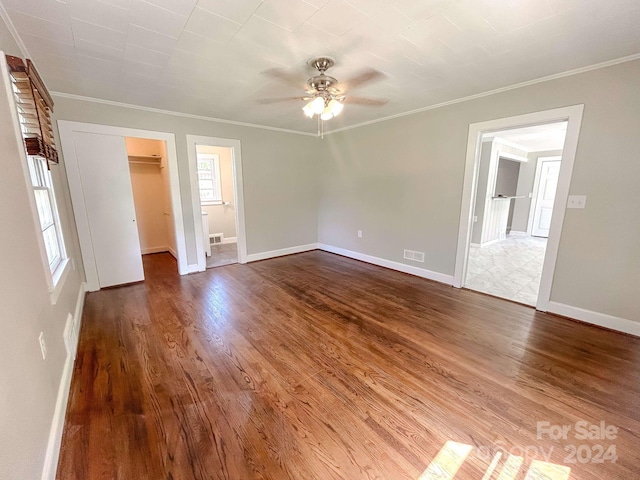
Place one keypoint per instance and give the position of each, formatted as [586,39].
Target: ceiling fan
[325,96]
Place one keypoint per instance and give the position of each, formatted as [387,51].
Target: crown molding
[175,114]
[568,73]
[12,30]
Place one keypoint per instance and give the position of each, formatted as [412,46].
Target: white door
[547,185]
[108,197]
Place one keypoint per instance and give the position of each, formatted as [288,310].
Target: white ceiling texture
[208,57]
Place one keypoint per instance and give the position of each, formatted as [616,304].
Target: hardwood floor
[315,366]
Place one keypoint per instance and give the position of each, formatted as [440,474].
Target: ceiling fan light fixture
[308,109]
[317,105]
[335,107]
[326,114]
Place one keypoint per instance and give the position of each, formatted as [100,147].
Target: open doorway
[105,165]
[515,192]
[217,202]
[151,195]
[215,166]
[500,219]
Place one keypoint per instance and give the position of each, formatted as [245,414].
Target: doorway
[497,252]
[515,193]
[215,166]
[216,190]
[100,183]
[150,184]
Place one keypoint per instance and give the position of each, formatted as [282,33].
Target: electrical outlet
[43,346]
[577,201]
[359,233]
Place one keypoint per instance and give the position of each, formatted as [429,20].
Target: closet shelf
[146,160]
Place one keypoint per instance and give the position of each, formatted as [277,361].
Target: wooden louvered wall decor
[34,106]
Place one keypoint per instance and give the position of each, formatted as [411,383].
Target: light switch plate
[577,201]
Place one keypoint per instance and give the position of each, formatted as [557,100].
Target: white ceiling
[536,138]
[207,57]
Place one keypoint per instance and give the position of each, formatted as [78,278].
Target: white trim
[536,186]
[491,242]
[254,257]
[596,318]
[52,453]
[66,129]
[506,143]
[382,262]
[193,268]
[14,32]
[146,251]
[176,114]
[511,156]
[569,73]
[573,115]
[229,240]
[238,193]
[58,278]
[517,232]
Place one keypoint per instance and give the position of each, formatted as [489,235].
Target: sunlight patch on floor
[452,456]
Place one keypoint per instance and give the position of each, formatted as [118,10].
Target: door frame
[536,187]
[572,115]
[238,193]
[66,130]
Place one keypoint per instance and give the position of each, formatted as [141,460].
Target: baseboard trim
[145,251]
[172,252]
[193,268]
[517,232]
[57,424]
[595,318]
[382,262]
[229,240]
[254,257]
[490,242]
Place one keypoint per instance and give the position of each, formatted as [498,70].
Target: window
[209,179]
[47,213]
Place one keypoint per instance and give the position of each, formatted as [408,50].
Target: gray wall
[400,181]
[526,179]
[279,171]
[28,384]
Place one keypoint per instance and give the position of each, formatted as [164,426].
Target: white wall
[280,171]
[149,195]
[222,218]
[28,384]
[400,181]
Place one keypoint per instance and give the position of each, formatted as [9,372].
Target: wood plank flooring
[315,366]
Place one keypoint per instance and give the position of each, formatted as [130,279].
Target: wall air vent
[413,255]
[215,239]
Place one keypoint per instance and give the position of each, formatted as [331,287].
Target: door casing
[572,115]
[66,130]
[238,192]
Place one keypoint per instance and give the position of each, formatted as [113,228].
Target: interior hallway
[315,366]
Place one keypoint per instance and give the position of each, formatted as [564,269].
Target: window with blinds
[34,105]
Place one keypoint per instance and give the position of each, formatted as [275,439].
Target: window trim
[214,160]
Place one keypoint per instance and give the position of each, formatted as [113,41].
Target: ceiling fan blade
[373,102]
[268,101]
[288,78]
[368,75]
